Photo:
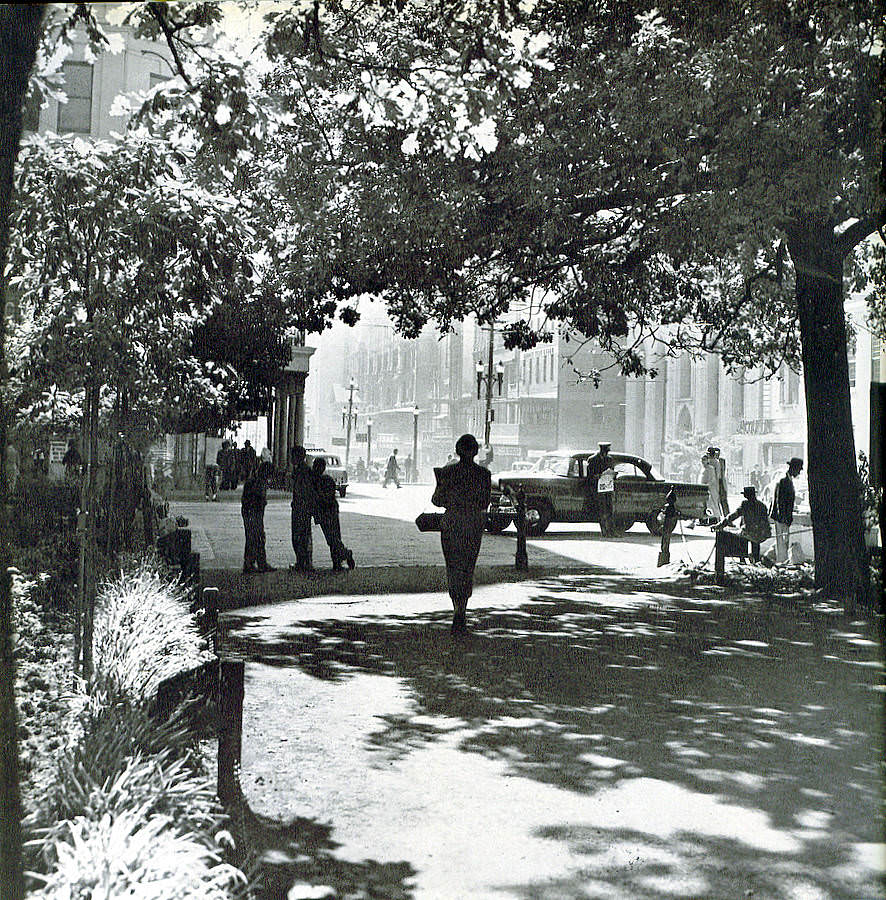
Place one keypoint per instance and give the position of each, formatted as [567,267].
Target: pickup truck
[557,490]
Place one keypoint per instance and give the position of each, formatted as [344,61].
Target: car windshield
[552,465]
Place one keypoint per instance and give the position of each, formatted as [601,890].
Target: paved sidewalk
[594,736]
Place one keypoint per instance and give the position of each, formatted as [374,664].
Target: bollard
[230,727]
[210,616]
[521,558]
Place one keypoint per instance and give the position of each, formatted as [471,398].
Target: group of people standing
[232,466]
[313,499]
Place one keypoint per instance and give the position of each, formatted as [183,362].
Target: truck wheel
[538,517]
[343,490]
[497,522]
[654,525]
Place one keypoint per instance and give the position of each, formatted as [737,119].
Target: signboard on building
[338,442]
[361,437]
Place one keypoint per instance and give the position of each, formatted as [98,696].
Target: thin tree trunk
[841,559]
[89,505]
[20,28]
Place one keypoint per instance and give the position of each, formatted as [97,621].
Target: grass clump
[144,633]
[136,854]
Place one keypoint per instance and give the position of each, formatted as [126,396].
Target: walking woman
[463,490]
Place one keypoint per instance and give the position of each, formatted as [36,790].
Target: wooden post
[230,727]
[521,558]
[210,615]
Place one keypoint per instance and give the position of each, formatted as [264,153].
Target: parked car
[334,467]
[557,490]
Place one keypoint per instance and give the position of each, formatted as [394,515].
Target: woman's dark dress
[463,489]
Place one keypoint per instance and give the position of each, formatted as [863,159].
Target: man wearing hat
[721,481]
[754,521]
[782,512]
[595,466]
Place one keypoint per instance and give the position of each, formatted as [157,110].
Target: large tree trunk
[841,558]
[19,36]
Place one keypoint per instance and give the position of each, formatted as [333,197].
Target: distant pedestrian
[392,470]
[463,490]
[595,466]
[41,464]
[782,511]
[223,461]
[754,521]
[407,469]
[721,482]
[210,482]
[252,507]
[304,506]
[710,476]
[72,461]
[668,517]
[234,466]
[246,460]
[327,516]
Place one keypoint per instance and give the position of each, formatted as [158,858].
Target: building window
[684,378]
[789,387]
[850,360]
[875,357]
[76,114]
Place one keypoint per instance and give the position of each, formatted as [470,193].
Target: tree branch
[159,14]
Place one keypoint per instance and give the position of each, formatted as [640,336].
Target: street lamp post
[368,442]
[351,416]
[490,374]
[414,472]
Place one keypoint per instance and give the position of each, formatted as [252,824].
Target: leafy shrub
[136,854]
[53,562]
[42,506]
[144,633]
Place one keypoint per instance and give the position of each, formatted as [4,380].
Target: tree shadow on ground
[302,851]
[598,683]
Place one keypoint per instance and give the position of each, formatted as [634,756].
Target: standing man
[594,468]
[221,461]
[782,511]
[327,516]
[721,480]
[247,459]
[252,508]
[392,470]
[304,505]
